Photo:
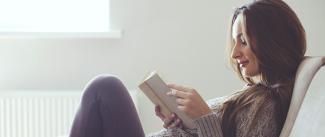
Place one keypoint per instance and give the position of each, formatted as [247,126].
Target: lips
[243,63]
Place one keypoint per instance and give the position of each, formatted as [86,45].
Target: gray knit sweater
[210,125]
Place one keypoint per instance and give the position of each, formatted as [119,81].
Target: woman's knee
[104,83]
[105,79]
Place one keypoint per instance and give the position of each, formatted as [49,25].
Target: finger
[179,87]
[181,101]
[169,120]
[176,123]
[157,109]
[158,112]
[181,108]
[177,93]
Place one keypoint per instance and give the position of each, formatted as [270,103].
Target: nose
[236,52]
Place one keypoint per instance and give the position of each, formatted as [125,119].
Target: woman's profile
[266,44]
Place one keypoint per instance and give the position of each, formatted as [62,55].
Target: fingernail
[169,93]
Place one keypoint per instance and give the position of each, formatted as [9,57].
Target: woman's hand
[189,101]
[169,122]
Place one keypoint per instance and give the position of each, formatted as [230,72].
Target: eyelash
[243,42]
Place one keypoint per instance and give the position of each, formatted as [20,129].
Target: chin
[249,74]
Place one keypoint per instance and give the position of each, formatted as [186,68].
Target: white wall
[184,39]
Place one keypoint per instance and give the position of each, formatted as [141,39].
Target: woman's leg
[106,111]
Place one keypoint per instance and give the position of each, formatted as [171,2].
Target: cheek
[254,68]
[251,70]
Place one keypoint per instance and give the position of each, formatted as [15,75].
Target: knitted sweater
[210,125]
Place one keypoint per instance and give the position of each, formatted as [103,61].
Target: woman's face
[241,51]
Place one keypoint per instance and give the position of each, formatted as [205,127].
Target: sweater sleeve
[209,125]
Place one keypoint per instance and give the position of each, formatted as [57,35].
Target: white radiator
[39,113]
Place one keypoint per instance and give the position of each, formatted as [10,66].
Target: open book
[156,90]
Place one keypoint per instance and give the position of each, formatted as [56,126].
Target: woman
[266,42]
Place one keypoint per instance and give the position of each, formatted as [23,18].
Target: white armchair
[301,120]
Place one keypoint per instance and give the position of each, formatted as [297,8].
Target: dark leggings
[106,110]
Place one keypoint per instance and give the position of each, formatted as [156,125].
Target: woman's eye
[242,41]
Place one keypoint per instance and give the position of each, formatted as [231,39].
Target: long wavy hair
[277,38]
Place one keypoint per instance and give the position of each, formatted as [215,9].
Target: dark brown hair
[277,38]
